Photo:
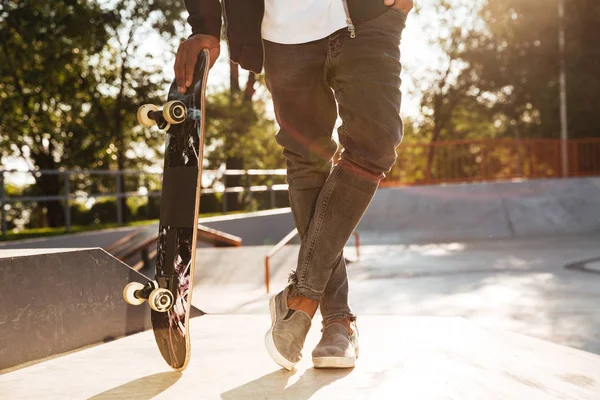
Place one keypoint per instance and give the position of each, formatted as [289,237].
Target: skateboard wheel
[129,293]
[161,300]
[143,117]
[175,112]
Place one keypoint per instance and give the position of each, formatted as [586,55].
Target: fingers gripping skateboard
[159,299]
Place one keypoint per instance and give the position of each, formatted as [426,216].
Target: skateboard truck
[173,113]
[159,299]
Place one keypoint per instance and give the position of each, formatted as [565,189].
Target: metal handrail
[68,196]
[227,172]
[285,241]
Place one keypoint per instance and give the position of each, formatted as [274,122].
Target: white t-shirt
[301,21]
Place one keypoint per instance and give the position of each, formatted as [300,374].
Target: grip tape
[178,198]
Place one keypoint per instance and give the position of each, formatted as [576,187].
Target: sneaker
[337,348]
[285,340]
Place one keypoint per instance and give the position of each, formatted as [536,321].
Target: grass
[47,232]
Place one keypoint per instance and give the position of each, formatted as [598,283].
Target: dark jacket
[243,20]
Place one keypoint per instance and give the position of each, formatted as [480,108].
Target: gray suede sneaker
[285,339]
[337,349]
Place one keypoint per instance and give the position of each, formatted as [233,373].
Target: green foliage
[45,49]
[81,215]
[70,90]
[516,61]
[237,128]
[498,73]
[106,211]
[149,210]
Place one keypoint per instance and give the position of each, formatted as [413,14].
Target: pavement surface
[448,281]
[401,358]
[519,285]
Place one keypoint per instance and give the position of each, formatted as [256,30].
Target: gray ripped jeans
[310,83]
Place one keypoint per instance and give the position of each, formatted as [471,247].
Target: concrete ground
[401,358]
[521,257]
[519,285]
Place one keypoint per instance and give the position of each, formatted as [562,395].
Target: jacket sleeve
[205,17]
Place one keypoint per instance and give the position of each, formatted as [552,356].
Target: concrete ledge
[54,301]
[401,358]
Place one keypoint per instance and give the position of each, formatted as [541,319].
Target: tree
[45,47]
[239,134]
[516,59]
[71,82]
[124,84]
[452,105]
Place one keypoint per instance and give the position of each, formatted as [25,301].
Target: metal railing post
[224,198]
[249,184]
[271,193]
[267,275]
[66,176]
[562,79]
[119,194]
[2,203]
[357,244]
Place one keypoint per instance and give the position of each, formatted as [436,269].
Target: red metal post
[267,274]
[357,245]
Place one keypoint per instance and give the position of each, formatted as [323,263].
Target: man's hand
[402,5]
[187,54]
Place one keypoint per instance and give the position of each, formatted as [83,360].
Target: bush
[81,215]
[150,210]
[106,211]
[209,203]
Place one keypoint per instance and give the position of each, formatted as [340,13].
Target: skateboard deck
[178,227]
[182,117]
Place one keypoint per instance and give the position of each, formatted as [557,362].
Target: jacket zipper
[351,28]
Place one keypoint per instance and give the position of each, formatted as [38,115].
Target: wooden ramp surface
[401,358]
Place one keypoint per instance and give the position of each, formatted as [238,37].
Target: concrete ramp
[53,301]
[227,280]
[482,211]
[401,358]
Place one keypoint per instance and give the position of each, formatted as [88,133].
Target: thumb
[389,2]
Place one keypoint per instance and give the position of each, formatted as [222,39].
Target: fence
[490,160]
[430,163]
[68,195]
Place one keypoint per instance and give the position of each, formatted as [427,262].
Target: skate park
[474,273]
[482,290]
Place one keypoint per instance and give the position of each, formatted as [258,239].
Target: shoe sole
[270,341]
[334,362]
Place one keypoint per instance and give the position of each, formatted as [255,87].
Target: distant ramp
[475,211]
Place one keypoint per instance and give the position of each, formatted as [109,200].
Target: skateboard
[170,294]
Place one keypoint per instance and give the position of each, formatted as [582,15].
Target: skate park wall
[57,300]
[494,210]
